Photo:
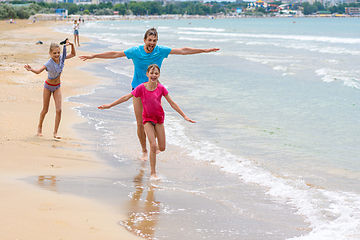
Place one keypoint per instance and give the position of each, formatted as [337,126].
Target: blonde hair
[52,46]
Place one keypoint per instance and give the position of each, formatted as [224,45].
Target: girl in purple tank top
[54,67]
[151,93]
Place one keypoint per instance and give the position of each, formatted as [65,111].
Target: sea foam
[332,215]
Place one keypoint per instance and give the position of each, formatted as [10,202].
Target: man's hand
[86,57]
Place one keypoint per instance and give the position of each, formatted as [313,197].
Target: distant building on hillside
[352,10]
[48,1]
[287,1]
[84,2]
[115,1]
[19,4]
[320,1]
[323,13]
[257,4]
[167,2]
[62,12]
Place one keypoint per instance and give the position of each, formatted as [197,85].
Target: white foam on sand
[332,215]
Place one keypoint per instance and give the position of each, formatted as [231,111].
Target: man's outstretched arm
[105,55]
[187,50]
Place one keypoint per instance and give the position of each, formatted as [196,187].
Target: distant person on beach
[76,33]
[143,56]
[54,67]
[153,115]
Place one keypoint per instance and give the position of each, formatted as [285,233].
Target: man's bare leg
[138,109]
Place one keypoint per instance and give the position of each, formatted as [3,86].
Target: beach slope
[30,211]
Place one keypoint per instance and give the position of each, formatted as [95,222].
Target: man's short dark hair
[151,32]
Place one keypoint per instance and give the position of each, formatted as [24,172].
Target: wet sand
[29,211]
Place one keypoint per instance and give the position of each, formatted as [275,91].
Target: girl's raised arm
[37,71]
[73,53]
[120,100]
[177,108]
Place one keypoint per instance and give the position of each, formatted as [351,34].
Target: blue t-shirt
[142,60]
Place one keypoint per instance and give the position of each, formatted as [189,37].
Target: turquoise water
[277,111]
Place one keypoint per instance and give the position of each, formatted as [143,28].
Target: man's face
[150,43]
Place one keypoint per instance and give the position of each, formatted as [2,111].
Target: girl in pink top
[153,113]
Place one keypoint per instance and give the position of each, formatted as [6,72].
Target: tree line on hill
[137,8]
[317,6]
[15,11]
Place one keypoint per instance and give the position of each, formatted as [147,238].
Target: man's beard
[148,48]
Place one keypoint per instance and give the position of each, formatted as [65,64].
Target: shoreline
[30,212]
[77,182]
[164,197]
[70,18]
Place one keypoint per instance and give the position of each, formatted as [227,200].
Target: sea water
[275,151]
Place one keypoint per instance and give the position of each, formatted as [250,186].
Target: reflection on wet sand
[48,182]
[143,215]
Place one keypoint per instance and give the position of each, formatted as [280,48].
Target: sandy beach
[29,211]
[273,154]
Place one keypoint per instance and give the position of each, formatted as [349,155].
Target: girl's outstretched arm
[73,53]
[120,100]
[177,108]
[37,71]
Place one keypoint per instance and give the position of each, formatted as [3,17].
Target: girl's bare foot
[144,156]
[39,133]
[157,149]
[154,177]
[56,136]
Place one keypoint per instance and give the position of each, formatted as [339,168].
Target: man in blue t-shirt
[142,59]
[143,56]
